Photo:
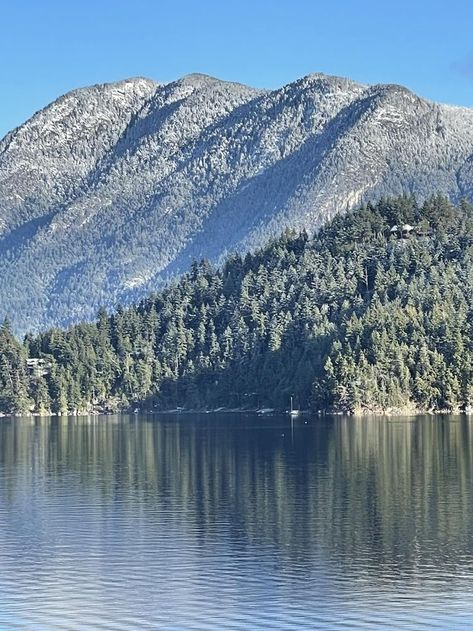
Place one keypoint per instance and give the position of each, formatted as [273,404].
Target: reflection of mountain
[391,497]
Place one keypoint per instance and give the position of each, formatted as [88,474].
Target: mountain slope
[113,189]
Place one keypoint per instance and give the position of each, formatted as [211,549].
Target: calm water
[236,522]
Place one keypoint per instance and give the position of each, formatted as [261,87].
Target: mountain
[357,319]
[113,189]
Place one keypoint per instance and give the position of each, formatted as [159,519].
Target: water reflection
[194,521]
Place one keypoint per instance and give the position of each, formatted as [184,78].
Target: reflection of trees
[401,491]
[384,493]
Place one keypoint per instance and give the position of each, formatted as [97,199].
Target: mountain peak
[328,78]
[198,78]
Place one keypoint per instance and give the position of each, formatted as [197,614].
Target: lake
[239,522]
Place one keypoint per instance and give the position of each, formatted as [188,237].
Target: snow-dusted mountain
[112,189]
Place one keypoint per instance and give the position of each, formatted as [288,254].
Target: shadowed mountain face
[112,189]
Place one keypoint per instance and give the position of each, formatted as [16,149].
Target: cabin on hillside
[38,367]
[423,231]
[403,231]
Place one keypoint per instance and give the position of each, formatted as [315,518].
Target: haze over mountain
[113,189]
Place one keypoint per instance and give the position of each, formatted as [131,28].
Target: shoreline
[263,412]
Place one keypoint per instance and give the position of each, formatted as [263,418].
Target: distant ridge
[113,189]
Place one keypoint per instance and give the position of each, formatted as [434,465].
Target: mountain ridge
[113,189]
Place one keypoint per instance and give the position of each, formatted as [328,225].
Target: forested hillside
[375,313]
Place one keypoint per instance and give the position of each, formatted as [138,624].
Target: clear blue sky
[48,47]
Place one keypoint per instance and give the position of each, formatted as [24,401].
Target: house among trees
[38,367]
[424,231]
[402,232]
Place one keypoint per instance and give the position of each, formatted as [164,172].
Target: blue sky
[48,47]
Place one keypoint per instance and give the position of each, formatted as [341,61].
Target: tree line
[357,318]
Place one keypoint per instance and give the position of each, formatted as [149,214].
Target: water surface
[239,522]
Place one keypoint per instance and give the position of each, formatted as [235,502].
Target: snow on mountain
[112,189]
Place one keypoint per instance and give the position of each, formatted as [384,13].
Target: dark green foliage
[354,319]
[13,372]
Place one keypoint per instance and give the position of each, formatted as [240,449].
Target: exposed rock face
[112,189]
